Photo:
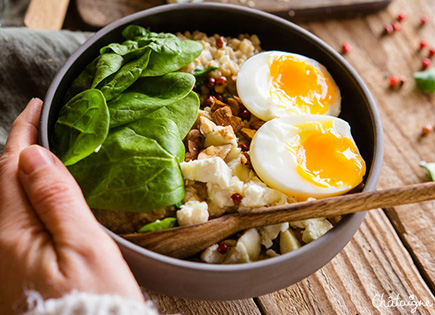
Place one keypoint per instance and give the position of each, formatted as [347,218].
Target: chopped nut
[206,125]
[220,135]
[245,159]
[248,133]
[255,122]
[234,105]
[224,117]
[217,104]
[194,141]
[221,151]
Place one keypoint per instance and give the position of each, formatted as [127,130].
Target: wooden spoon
[181,242]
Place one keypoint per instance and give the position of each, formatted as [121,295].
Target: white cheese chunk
[213,170]
[192,212]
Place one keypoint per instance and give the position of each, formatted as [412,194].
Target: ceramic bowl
[195,280]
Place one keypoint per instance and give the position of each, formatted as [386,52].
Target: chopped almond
[194,141]
[224,117]
[255,122]
[248,133]
[234,105]
[206,125]
[221,151]
[245,159]
[217,105]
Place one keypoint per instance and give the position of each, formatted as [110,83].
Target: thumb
[54,194]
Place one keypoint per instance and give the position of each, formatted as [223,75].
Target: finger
[24,130]
[54,195]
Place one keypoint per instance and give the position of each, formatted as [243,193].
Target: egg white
[254,85]
[277,166]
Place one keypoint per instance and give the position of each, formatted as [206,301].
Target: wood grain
[46,14]
[374,262]
[98,13]
[182,242]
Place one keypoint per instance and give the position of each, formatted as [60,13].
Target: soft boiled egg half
[276,84]
[307,156]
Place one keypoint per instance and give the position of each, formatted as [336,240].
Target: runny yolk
[327,159]
[305,86]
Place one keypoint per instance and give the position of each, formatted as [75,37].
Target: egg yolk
[325,158]
[305,86]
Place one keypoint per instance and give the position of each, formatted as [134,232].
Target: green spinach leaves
[120,132]
[425,80]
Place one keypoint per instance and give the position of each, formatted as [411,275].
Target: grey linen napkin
[29,60]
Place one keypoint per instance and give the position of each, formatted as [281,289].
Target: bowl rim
[372,177]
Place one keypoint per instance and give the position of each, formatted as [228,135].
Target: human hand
[49,240]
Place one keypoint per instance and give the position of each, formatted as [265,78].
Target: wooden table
[393,252]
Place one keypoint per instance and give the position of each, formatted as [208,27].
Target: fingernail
[33,158]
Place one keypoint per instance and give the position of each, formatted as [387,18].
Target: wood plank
[403,111]
[98,13]
[373,263]
[171,305]
[46,14]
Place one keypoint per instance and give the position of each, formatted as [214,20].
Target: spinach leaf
[199,72]
[159,225]
[183,112]
[161,43]
[125,77]
[107,65]
[133,31]
[425,80]
[82,126]
[162,63]
[120,49]
[136,169]
[83,81]
[147,95]
[430,167]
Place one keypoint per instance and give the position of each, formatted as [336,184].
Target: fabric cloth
[29,60]
[87,304]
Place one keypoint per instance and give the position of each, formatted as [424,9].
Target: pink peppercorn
[388,29]
[346,47]
[393,81]
[222,248]
[209,84]
[237,198]
[397,26]
[423,20]
[427,129]
[244,147]
[425,63]
[423,44]
[244,114]
[221,42]
[432,52]
[401,17]
[221,81]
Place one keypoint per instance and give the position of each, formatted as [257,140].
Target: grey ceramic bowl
[228,282]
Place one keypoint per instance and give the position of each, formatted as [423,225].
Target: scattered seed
[393,81]
[222,248]
[397,26]
[427,129]
[209,84]
[388,29]
[346,47]
[432,52]
[221,81]
[244,114]
[237,198]
[423,20]
[244,147]
[423,44]
[401,17]
[425,63]
[221,41]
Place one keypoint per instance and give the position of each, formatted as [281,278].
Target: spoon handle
[186,241]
